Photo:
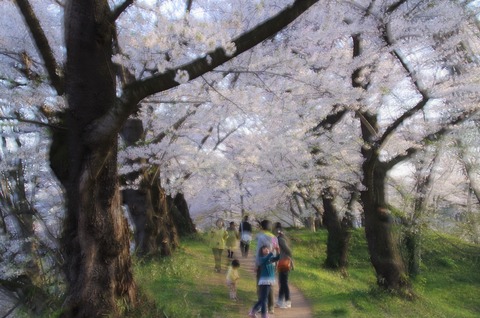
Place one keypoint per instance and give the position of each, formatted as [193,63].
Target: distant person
[245,231]
[232,277]
[266,279]
[283,270]
[266,238]
[232,239]
[218,236]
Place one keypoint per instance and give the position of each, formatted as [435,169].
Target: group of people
[273,255]
[221,238]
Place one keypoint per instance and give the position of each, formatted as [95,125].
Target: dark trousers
[263,292]
[270,291]
[283,291]
[244,247]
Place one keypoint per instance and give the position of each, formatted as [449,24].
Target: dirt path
[300,307]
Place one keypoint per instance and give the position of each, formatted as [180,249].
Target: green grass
[185,284]
[448,286]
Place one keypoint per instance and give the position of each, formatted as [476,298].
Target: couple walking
[221,238]
[270,250]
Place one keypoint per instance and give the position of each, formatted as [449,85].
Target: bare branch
[175,126]
[432,137]
[228,134]
[41,41]
[34,122]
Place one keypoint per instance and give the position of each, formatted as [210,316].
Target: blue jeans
[263,291]
[270,302]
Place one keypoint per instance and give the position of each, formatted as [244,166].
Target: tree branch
[228,134]
[431,137]
[139,90]
[189,5]
[127,104]
[468,169]
[120,9]
[41,41]
[412,111]
[175,126]
[33,122]
[328,122]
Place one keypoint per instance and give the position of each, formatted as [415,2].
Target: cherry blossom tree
[346,93]
[397,73]
[95,240]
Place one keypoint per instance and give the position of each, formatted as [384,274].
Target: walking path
[300,307]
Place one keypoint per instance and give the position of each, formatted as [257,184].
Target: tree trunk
[413,246]
[167,240]
[339,233]
[151,211]
[28,287]
[382,245]
[145,213]
[140,213]
[96,237]
[181,216]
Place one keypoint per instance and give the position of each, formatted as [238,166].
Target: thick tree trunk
[382,245]
[145,209]
[149,207]
[140,213]
[339,233]
[96,245]
[151,211]
[167,239]
[95,240]
[181,216]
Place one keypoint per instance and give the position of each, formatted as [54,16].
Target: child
[232,277]
[266,280]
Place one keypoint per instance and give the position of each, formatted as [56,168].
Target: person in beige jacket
[218,236]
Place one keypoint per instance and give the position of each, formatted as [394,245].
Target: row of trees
[322,110]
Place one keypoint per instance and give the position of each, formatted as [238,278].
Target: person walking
[232,239]
[266,280]
[266,238]
[218,236]
[245,231]
[232,277]
[284,266]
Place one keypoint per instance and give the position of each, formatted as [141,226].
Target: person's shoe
[279,304]
[251,314]
[271,311]
[288,304]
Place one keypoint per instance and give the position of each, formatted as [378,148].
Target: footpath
[300,307]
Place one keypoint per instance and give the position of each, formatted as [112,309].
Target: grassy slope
[448,286]
[185,285]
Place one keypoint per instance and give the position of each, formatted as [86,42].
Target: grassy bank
[185,284]
[448,286]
